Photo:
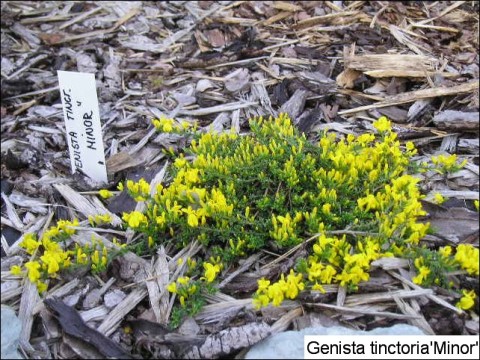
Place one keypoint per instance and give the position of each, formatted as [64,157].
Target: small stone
[10,333]
[113,298]
[189,327]
[92,299]
[289,344]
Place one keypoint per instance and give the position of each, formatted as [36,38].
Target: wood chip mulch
[337,65]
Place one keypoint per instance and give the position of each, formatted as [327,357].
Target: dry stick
[112,321]
[353,310]
[27,303]
[421,322]
[217,108]
[239,62]
[85,206]
[37,92]
[322,19]
[284,322]
[29,65]
[79,18]
[416,95]
[385,296]
[241,269]
[44,19]
[432,297]
[94,33]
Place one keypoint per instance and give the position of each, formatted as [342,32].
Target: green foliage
[353,198]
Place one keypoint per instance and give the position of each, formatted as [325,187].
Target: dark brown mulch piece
[73,325]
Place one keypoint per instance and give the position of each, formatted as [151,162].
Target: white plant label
[82,122]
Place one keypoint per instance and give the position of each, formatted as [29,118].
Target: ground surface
[222,63]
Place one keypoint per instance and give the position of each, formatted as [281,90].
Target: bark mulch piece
[335,65]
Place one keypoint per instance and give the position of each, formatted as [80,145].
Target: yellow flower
[467,300]
[445,251]
[16,270]
[117,243]
[135,219]
[294,284]
[211,271]
[165,125]
[183,280]
[104,193]
[263,284]
[191,263]
[382,124]
[275,293]
[41,286]
[410,146]
[33,273]
[327,274]
[261,301]
[192,218]
[180,162]
[51,260]
[468,258]
[96,258]
[476,203]
[81,256]
[99,219]
[423,272]
[172,287]
[326,208]
[318,287]
[120,186]
[29,243]
[439,199]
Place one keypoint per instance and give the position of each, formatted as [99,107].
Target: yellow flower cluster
[211,271]
[184,288]
[467,256]
[135,219]
[446,164]
[422,271]
[95,254]
[382,124]
[467,300]
[50,256]
[170,125]
[274,189]
[99,219]
[439,199]
[284,227]
[140,190]
[105,194]
[284,288]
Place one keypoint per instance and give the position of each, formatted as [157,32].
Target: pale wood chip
[415,95]
[83,205]
[229,340]
[432,296]
[217,108]
[359,299]
[363,310]
[419,321]
[284,322]
[12,213]
[390,263]
[112,321]
[27,302]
